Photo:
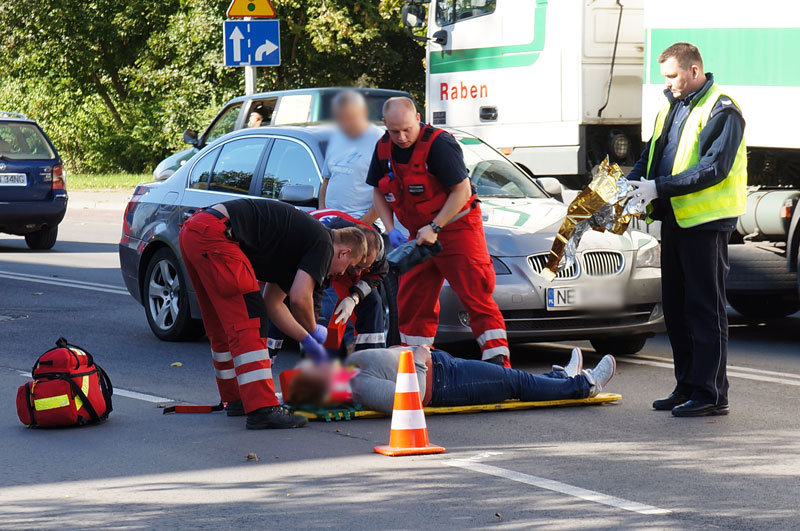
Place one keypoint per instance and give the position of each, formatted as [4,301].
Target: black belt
[220,216]
[216,213]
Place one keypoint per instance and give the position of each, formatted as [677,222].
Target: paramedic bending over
[419,175]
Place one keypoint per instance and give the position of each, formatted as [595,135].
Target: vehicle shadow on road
[61,246]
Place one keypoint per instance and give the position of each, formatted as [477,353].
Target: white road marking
[124,392]
[734,372]
[91,286]
[738,368]
[555,486]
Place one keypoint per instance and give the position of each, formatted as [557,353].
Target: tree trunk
[106,98]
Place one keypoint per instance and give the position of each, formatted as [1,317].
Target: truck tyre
[761,306]
[619,346]
[166,300]
[42,239]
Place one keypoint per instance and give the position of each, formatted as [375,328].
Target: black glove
[409,255]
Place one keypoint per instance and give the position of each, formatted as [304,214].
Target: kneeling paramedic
[226,248]
[419,175]
[352,297]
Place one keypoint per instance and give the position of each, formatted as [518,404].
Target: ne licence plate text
[13,179]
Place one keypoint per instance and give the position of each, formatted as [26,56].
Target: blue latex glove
[396,238]
[314,350]
[320,333]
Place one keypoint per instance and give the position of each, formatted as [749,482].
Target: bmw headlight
[649,255]
[499,267]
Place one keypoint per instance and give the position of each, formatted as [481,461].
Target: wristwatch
[436,228]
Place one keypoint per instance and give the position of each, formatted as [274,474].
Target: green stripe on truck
[736,56]
[470,59]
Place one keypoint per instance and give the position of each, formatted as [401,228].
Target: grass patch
[106,181]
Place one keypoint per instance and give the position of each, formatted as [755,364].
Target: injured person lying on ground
[368,378]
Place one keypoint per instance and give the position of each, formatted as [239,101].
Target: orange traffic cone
[409,434]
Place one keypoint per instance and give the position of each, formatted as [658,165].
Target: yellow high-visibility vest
[726,199]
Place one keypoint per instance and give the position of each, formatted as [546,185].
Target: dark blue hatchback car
[33,195]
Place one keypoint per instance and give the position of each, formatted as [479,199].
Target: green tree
[115,83]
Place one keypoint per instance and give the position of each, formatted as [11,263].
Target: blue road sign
[252,43]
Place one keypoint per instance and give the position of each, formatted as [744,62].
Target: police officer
[226,248]
[418,174]
[694,175]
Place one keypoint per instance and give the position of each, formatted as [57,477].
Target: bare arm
[370,216]
[383,209]
[458,197]
[301,299]
[279,313]
[323,190]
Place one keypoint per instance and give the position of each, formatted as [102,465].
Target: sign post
[251,43]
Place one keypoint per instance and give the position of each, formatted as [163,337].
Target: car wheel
[166,300]
[619,346]
[42,239]
[760,306]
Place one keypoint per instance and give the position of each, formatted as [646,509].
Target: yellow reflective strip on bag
[85,389]
[43,404]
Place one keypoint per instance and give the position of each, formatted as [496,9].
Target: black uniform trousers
[694,265]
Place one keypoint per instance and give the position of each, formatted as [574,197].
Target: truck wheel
[42,239]
[619,346]
[166,300]
[760,306]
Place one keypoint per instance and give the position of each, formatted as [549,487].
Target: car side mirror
[297,193]
[551,185]
[190,137]
[413,15]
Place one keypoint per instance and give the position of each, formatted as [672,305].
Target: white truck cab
[531,77]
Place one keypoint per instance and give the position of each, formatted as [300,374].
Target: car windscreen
[21,141]
[374,104]
[494,175]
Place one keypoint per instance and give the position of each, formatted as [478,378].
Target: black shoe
[665,404]
[694,408]
[497,360]
[274,417]
[234,409]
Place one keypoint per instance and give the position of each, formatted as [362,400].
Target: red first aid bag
[68,389]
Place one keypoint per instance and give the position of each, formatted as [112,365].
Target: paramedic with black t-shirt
[418,174]
[227,248]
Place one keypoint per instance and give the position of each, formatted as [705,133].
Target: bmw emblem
[2,166]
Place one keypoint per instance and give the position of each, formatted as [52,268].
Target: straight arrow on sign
[236,37]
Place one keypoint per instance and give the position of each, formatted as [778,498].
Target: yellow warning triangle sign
[251,8]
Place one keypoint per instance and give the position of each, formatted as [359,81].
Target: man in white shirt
[344,174]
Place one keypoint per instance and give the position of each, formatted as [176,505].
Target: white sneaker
[575,365]
[599,377]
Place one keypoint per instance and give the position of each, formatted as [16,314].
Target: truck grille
[538,261]
[602,263]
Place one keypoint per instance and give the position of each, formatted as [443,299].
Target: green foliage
[115,83]
[106,181]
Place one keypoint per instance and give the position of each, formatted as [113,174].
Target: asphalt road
[611,466]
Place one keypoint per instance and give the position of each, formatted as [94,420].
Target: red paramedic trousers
[233,311]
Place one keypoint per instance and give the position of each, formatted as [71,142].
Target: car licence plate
[595,297]
[13,179]
[562,298]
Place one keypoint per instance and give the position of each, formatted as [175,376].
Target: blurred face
[352,119]
[255,120]
[403,125]
[364,264]
[342,259]
[682,82]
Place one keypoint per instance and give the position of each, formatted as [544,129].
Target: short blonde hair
[398,101]
[353,238]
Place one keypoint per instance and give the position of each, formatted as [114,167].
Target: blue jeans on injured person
[460,382]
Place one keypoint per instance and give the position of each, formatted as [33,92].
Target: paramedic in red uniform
[418,174]
[226,248]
